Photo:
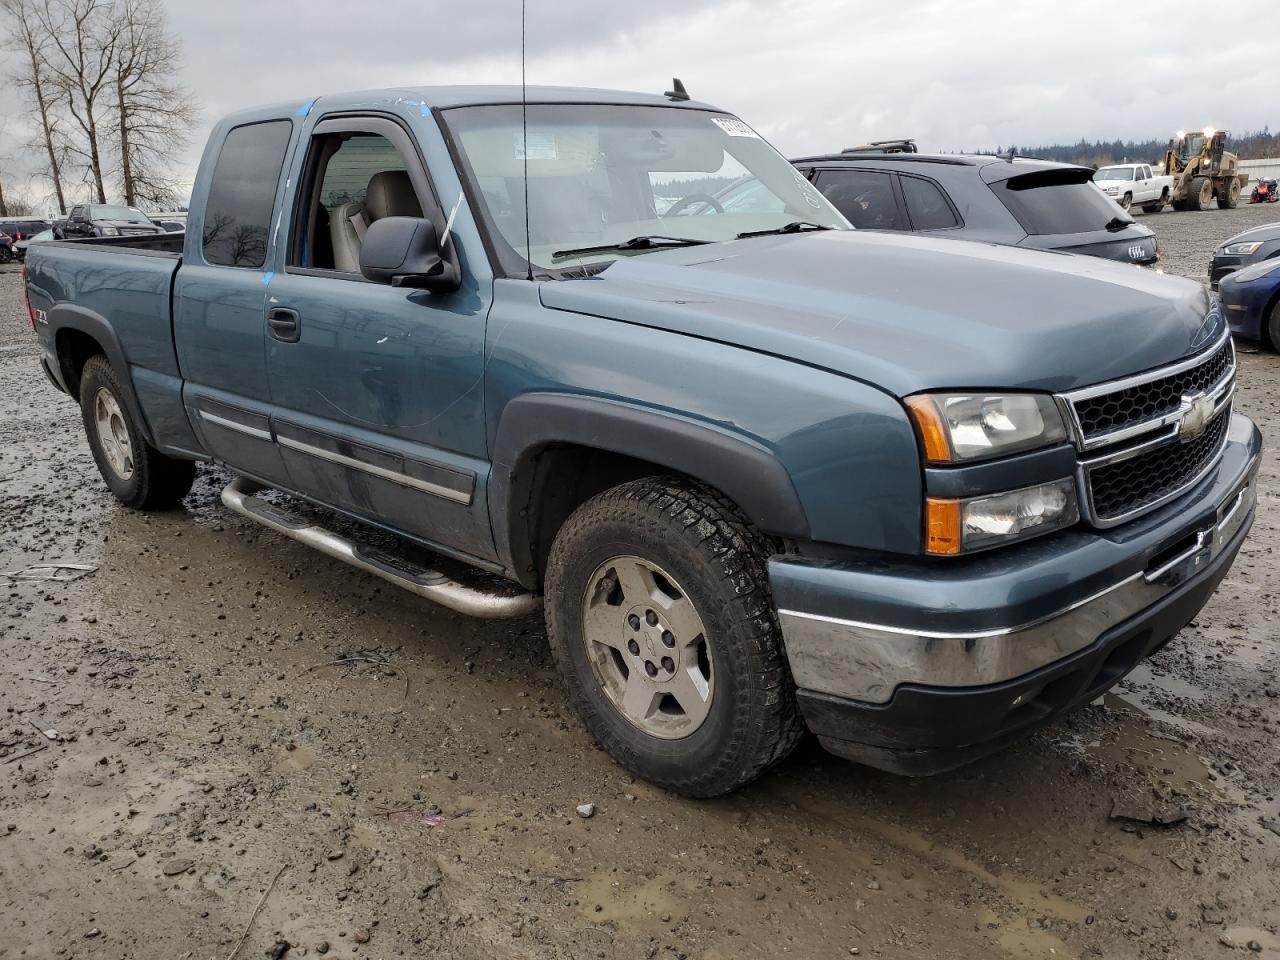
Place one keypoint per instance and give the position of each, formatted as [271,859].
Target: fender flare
[70,317]
[740,467]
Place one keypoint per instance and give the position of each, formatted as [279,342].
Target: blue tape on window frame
[305,109]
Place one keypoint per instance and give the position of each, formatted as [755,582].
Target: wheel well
[1270,308]
[549,484]
[74,349]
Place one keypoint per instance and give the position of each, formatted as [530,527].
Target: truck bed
[117,290]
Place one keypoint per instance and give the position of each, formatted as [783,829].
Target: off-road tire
[700,537]
[1194,189]
[1229,198]
[157,481]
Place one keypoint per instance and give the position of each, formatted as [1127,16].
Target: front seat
[390,194]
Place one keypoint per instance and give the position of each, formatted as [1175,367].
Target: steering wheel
[691,198]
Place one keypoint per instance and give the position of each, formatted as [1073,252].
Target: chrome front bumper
[868,659]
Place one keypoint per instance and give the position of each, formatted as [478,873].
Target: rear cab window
[1048,202]
[237,216]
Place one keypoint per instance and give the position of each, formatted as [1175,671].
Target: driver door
[378,390]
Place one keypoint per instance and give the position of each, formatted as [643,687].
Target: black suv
[105,220]
[1014,201]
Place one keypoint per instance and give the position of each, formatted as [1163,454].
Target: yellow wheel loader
[1203,171]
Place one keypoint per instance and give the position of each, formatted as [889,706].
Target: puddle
[1142,677]
[1134,743]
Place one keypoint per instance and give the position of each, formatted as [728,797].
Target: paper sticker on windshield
[734,127]
[542,146]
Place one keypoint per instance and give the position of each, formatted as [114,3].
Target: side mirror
[405,252]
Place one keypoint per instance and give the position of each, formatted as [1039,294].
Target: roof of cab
[444,97]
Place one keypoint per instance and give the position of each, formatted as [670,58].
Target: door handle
[285,324]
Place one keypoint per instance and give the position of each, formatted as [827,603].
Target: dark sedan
[1250,298]
[1018,202]
[1252,246]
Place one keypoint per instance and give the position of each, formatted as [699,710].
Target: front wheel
[139,475]
[1126,202]
[662,625]
[1273,325]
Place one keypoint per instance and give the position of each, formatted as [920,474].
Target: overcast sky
[811,75]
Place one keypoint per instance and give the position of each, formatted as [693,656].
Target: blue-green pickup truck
[764,473]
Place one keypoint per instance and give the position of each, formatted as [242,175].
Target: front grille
[1124,487]
[127,232]
[1106,412]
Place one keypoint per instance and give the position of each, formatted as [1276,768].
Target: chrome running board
[238,495]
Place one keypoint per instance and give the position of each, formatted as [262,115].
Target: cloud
[811,76]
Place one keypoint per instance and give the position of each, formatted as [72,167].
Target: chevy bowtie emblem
[1196,418]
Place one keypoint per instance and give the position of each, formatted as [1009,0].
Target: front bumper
[1222,264]
[919,667]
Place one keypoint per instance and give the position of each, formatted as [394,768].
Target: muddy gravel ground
[245,725]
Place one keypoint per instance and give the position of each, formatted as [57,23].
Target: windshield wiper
[650,241]
[1117,223]
[795,226]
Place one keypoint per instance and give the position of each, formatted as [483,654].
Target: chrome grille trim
[1085,488]
[1146,437]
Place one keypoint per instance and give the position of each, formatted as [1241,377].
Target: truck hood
[908,313]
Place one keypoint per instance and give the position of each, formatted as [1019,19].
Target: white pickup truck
[1130,183]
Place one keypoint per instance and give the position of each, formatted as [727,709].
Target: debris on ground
[42,572]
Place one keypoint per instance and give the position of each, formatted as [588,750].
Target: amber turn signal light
[933,433]
[941,527]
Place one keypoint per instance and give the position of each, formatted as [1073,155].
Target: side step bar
[238,495]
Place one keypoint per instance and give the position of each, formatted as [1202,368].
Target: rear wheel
[662,625]
[6,253]
[1229,196]
[139,475]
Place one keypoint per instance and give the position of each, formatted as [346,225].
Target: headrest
[391,194]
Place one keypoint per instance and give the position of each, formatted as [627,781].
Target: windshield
[1114,173]
[131,214]
[1192,145]
[603,174]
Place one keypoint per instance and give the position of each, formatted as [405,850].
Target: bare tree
[30,41]
[155,113]
[82,43]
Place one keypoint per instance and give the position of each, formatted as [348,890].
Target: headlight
[959,526]
[110,232]
[1240,249]
[965,427]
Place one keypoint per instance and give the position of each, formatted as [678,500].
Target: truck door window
[237,217]
[865,197]
[359,178]
[927,206]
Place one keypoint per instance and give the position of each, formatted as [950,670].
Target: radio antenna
[524,141]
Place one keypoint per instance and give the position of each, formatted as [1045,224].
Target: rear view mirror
[405,252]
